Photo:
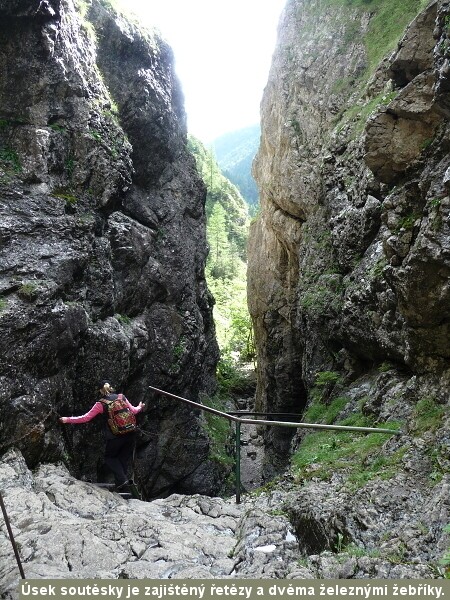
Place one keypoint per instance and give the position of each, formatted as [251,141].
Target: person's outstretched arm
[95,410]
[134,409]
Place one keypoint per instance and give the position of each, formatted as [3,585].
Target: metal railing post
[11,537]
[238,462]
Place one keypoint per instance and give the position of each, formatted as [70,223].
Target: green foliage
[28,291]
[445,561]
[235,153]
[70,166]
[407,222]
[219,431]
[321,285]
[361,112]
[230,376]
[358,552]
[324,295]
[323,453]
[227,232]
[11,158]
[3,303]
[96,135]
[86,25]
[233,327]
[324,378]
[427,416]
[435,202]
[65,195]
[179,348]
[386,26]
[123,319]
[319,412]
[178,352]
[57,128]
[378,268]
[223,254]
[221,191]
[385,367]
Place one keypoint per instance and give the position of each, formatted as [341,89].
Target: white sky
[223,50]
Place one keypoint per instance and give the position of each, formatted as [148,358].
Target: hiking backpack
[120,418]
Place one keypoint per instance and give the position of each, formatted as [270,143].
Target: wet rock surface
[102,241]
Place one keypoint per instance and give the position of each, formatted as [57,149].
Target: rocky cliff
[349,268]
[349,262]
[103,245]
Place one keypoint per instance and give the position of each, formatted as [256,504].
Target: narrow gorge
[102,274]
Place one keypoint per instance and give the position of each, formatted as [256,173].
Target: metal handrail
[11,537]
[239,421]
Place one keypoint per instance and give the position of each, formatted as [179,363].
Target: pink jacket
[97,409]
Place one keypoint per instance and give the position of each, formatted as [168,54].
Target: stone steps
[111,487]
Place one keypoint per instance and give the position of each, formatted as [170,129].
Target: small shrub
[179,349]
[124,319]
[11,157]
[385,367]
[28,291]
[407,222]
[435,202]
[358,552]
[324,378]
[427,416]
[377,270]
[57,128]
[230,377]
[68,197]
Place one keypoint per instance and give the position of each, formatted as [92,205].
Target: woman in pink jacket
[119,448]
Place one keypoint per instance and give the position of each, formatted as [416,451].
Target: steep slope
[103,243]
[349,262]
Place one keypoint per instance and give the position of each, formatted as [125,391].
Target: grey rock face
[102,233]
[349,261]
[69,529]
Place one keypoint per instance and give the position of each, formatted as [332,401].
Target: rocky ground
[66,528]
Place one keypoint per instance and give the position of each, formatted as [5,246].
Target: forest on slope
[226,268]
[235,152]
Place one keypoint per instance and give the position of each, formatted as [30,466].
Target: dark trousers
[118,456]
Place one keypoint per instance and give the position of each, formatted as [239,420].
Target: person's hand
[141,405]
[63,419]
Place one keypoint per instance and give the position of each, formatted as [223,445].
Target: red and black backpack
[120,418]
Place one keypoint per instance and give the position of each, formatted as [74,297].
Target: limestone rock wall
[102,241]
[349,261]
[64,529]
